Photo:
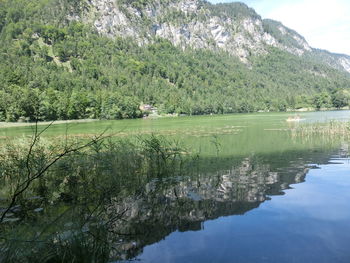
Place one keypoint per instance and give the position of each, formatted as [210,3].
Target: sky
[325,24]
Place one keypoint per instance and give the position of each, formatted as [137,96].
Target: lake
[258,193]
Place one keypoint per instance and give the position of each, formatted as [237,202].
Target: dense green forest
[54,68]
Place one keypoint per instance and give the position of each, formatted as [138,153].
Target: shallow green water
[259,193]
[225,135]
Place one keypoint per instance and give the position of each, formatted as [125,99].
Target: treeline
[52,68]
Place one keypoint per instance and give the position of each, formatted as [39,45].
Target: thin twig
[20,189]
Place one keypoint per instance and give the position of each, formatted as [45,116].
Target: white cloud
[325,24]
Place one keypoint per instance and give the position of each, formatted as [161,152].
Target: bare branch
[20,189]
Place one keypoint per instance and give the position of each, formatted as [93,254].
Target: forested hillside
[55,67]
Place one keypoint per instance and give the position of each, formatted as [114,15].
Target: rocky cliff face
[233,28]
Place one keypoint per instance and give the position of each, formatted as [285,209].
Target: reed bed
[330,129]
[62,216]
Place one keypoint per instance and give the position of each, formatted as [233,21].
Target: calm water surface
[308,223]
[260,193]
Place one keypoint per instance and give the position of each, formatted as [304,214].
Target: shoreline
[41,123]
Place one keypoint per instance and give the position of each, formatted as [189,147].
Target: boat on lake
[295,118]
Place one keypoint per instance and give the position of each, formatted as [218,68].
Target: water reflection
[185,203]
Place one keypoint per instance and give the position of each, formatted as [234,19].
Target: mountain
[72,59]
[232,27]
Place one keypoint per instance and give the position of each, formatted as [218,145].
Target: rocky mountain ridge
[234,28]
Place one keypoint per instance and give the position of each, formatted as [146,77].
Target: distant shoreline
[24,124]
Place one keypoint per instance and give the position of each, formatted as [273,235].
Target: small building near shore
[149,108]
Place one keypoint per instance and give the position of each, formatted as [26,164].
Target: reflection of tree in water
[127,197]
[120,212]
[183,204]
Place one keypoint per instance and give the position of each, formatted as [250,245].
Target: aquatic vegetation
[115,197]
[328,129]
[63,191]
